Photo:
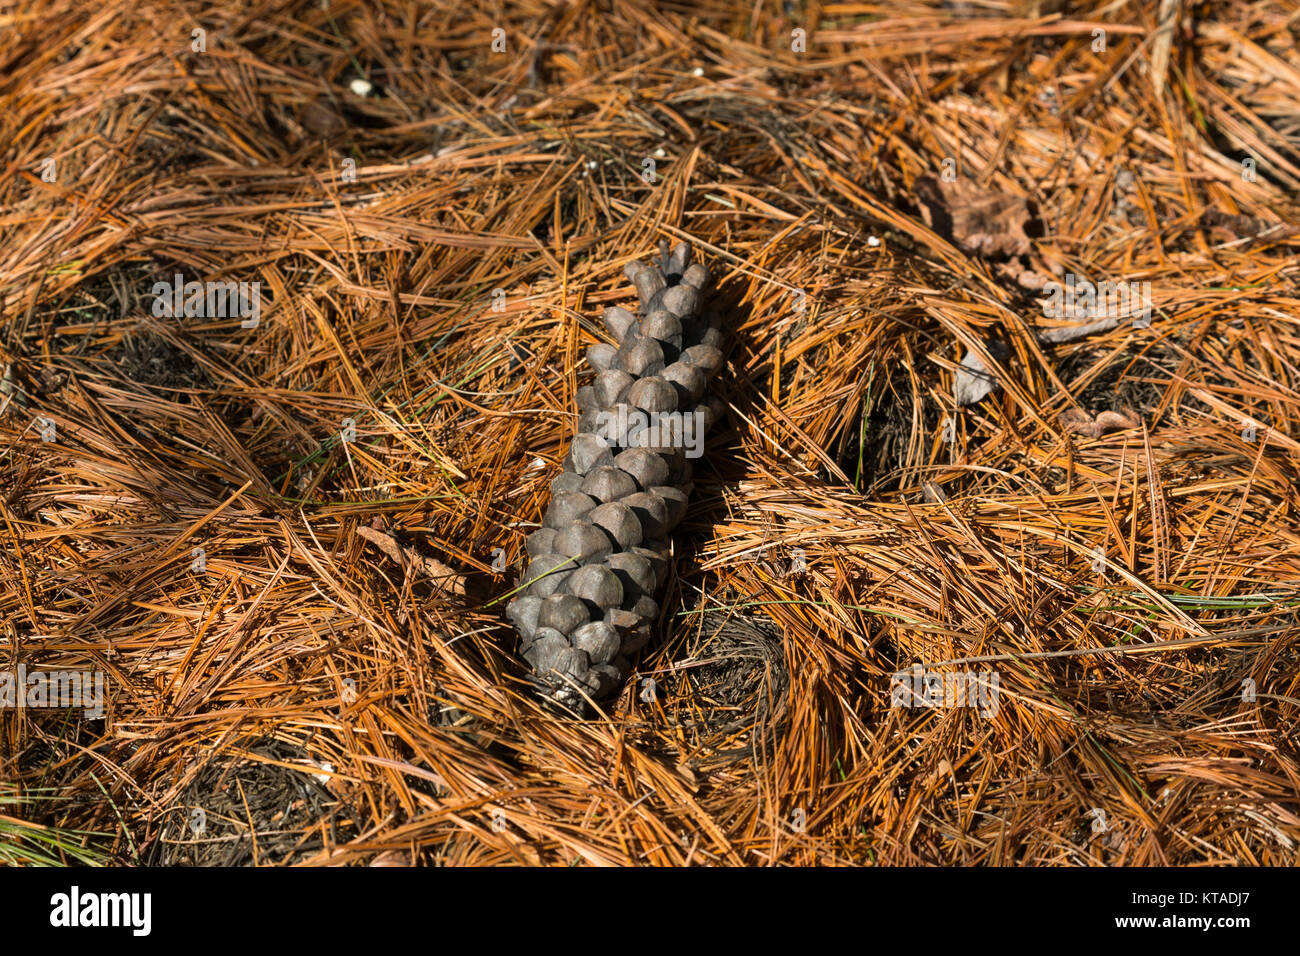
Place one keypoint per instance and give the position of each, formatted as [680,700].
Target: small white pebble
[360,87]
[323,777]
[872,241]
[591,164]
[659,153]
[698,71]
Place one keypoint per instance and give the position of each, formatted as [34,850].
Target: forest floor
[284,536]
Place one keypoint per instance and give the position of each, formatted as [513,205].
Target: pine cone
[587,600]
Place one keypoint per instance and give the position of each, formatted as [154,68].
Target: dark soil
[734,685]
[238,812]
[150,359]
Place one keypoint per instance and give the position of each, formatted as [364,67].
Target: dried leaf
[446,578]
[981,221]
[1077,421]
[973,380]
[320,117]
[392,858]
